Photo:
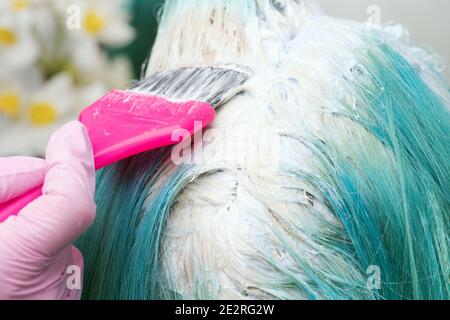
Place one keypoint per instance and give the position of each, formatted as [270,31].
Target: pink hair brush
[143,118]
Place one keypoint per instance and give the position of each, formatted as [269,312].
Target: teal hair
[385,177]
[121,250]
[388,180]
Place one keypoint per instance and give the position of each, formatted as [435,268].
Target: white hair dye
[306,180]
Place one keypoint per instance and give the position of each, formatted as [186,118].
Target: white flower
[21,139]
[88,94]
[14,94]
[18,48]
[45,111]
[15,5]
[85,55]
[12,99]
[49,72]
[52,102]
[102,20]
[118,72]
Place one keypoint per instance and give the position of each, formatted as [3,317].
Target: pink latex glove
[36,246]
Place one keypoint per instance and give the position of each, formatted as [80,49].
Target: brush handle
[14,206]
[123,124]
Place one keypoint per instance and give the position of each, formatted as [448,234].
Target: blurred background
[58,56]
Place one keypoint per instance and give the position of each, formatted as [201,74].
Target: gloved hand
[36,254]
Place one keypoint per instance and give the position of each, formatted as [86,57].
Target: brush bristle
[211,84]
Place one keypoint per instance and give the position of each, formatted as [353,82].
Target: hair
[331,170]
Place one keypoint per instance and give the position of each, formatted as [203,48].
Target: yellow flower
[42,113]
[93,22]
[18,46]
[18,5]
[7,37]
[10,104]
